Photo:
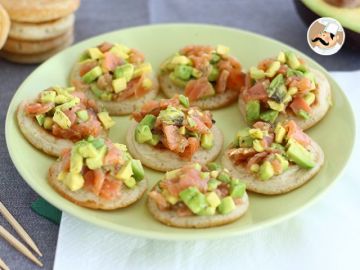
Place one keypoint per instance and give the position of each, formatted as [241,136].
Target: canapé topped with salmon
[113,72]
[282,87]
[173,125]
[203,74]
[68,114]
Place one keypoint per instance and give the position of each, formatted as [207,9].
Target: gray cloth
[276,19]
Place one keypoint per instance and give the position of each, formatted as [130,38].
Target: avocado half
[346,12]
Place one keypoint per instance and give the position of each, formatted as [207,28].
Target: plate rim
[183,236]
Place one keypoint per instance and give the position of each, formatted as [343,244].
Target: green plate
[158,42]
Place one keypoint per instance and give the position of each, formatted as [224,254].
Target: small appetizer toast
[116,77]
[196,196]
[285,88]
[60,116]
[168,133]
[99,174]
[273,161]
[208,76]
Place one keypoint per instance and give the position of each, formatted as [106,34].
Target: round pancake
[291,179]
[35,58]
[89,199]
[4,26]
[41,31]
[34,47]
[164,160]
[319,109]
[36,11]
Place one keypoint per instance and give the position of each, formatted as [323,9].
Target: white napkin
[326,236]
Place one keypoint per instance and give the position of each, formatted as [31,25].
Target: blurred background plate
[335,133]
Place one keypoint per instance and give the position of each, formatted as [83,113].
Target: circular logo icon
[325,36]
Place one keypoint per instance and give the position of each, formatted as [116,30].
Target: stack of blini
[38,29]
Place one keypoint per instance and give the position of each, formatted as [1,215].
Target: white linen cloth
[304,242]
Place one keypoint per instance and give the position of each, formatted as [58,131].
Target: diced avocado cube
[222,50]
[280,133]
[76,162]
[207,140]
[215,58]
[293,72]
[196,73]
[281,57]
[137,169]
[61,119]
[256,133]
[142,134]
[207,211]
[125,71]
[256,73]
[283,161]
[172,116]
[125,171]
[48,123]
[276,106]
[302,157]
[120,51]
[175,80]
[266,171]
[141,69]
[67,105]
[87,150]
[275,84]
[97,161]
[197,166]
[154,140]
[147,83]
[254,168]
[60,99]
[252,110]
[278,146]
[213,199]
[213,184]
[74,181]
[272,69]
[237,191]
[227,205]
[172,174]
[95,90]
[84,56]
[292,60]
[303,114]
[106,120]
[214,73]
[224,177]
[205,175]
[269,116]
[83,115]
[197,203]
[47,96]
[92,75]
[95,53]
[292,90]
[312,78]
[98,143]
[183,72]
[40,118]
[213,166]
[258,146]
[184,101]
[130,182]
[180,60]
[309,98]
[149,120]
[119,84]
